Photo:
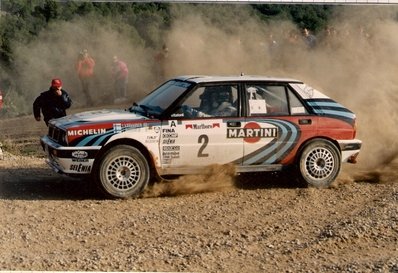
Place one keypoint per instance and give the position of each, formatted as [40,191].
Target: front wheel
[123,172]
[319,163]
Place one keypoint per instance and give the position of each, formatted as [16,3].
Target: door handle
[233,124]
[305,121]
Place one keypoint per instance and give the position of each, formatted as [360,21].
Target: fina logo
[79,154]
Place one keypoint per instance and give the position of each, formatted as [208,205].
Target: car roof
[206,79]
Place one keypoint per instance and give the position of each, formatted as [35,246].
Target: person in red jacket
[120,73]
[52,103]
[1,99]
[85,70]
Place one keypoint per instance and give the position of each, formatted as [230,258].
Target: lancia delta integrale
[258,124]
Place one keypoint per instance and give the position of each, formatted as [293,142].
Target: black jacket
[51,105]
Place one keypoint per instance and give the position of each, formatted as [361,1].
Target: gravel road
[52,222]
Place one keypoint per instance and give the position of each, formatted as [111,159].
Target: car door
[270,130]
[193,137]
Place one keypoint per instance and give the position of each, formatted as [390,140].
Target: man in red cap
[52,103]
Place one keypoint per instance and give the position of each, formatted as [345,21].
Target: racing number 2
[204,140]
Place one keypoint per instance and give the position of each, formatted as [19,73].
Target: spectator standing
[85,70]
[160,59]
[52,103]
[272,52]
[120,73]
[309,39]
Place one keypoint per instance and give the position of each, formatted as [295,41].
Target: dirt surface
[217,223]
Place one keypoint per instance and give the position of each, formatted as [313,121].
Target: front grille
[57,134]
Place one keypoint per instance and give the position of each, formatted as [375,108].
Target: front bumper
[69,160]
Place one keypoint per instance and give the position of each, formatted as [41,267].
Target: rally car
[256,123]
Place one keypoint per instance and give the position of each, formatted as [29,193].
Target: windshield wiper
[145,108]
[134,107]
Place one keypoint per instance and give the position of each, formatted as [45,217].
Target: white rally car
[190,122]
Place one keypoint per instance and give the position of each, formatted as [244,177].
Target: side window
[210,101]
[194,98]
[190,105]
[267,100]
[296,107]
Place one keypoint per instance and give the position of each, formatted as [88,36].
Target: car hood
[97,116]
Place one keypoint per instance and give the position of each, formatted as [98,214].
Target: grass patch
[24,147]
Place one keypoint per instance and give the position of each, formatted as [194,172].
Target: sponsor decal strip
[252,132]
[100,139]
[86,132]
[276,149]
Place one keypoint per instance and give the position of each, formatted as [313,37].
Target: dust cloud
[359,71]
[355,64]
[55,52]
[216,179]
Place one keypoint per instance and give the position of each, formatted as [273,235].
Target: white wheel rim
[319,163]
[123,173]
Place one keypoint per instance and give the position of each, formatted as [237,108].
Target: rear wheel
[123,172]
[319,163]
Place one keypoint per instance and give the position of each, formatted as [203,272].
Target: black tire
[319,163]
[123,172]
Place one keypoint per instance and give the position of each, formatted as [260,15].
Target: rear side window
[296,107]
[266,99]
[272,100]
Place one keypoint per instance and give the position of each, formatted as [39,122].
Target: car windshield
[161,98]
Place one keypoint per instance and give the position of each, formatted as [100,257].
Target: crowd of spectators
[307,39]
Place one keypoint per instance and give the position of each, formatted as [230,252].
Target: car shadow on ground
[41,184]
[266,180]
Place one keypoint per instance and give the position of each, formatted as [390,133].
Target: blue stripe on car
[330,108]
[275,150]
[91,138]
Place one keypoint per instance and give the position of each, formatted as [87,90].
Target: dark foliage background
[39,39]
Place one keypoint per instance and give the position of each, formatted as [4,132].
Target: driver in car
[220,104]
[217,103]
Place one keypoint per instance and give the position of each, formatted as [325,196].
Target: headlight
[65,138]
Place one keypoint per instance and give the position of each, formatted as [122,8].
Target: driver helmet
[224,95]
